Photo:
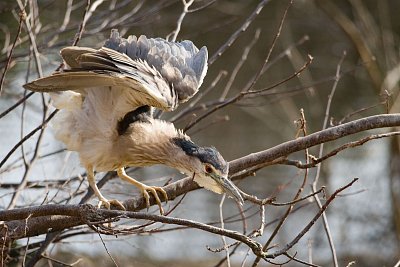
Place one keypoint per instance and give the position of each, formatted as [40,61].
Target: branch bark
[330,134]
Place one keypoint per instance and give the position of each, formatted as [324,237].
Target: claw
[107,203]
[103,202]
[117,203]
[143,188]
[153,190]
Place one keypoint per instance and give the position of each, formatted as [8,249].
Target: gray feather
[181,64]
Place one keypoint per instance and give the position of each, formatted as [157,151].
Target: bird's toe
[107,204]
[147,198]
[153,190]
[163,193]
[117,203]
[104,202]
[158,201]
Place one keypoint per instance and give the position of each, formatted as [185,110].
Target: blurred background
[364,222]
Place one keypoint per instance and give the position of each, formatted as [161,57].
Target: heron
[106,99]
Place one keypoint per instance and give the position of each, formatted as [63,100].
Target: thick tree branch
[58,217]
[330,134]
[87,214]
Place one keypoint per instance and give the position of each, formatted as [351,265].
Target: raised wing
[182,64]
[161,73]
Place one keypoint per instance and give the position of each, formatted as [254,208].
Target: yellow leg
[102,199]
[143,188]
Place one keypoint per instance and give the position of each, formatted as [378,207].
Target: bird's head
[209,168]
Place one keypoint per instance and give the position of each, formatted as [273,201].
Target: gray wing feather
[181,64]
[163,73]
[141,71]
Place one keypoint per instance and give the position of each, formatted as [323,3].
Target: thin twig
[351,114]
[108,252]
[32,40]
[81,29]
[202,7]
[200,95]
[303,128]
[295,74]
[239,31]
[26,137]
[312,222]
[239,65]
[7,38]
[22,18]
[253,81]
[327,111]
[221,217]
[300,261]
[60,262]
[334,152]
[19,102]
[321,148]
[174,34]
[255,246]
[310,251]
[273,203]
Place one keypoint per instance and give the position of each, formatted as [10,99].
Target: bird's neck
[149,143]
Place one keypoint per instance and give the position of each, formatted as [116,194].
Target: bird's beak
[228,187]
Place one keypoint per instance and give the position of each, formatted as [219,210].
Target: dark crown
[204,154]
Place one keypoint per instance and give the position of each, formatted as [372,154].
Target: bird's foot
[153,190]
[107,203]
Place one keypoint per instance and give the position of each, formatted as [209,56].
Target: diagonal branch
[40,225]
[312,222]
[68,215]
[330,134]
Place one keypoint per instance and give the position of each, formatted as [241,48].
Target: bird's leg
[143,188]
[102,199]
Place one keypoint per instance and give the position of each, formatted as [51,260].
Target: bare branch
[330,134]
[26,137]
[42,224]
[186,4]
[239,31]
[295,74]
[239,65]
[22,18]
[315,161]
[312,222]
[252,82]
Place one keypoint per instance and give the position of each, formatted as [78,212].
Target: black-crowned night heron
[107,97]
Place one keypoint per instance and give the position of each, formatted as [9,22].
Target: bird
[107,99]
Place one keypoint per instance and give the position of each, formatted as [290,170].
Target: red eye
[208,169]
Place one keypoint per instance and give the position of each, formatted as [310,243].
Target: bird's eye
[208,169]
